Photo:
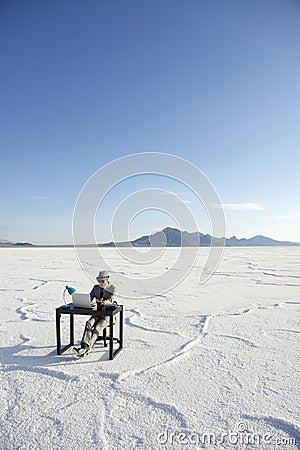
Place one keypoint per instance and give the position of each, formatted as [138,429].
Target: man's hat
[103,275]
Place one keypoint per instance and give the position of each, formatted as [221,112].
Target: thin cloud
[244,206]
[37,197]
[248,206]
[288,216]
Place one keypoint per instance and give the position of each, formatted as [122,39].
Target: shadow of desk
[88,312]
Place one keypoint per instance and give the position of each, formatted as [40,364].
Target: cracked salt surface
[200,358]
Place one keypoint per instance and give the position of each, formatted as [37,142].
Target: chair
[104,337]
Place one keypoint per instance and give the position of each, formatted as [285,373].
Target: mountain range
[172,237]
[5,243]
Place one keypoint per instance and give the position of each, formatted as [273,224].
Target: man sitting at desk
[102,293]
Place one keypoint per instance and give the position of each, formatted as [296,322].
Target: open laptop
[81,301]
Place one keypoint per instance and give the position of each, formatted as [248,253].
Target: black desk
[82,311]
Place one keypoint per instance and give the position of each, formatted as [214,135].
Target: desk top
[88,311]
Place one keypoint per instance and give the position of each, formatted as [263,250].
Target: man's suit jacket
[108,293]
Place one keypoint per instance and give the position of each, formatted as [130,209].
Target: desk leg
[111,337]
[120,339]
[71,329]
[58,343]
[121,328]
[61,350]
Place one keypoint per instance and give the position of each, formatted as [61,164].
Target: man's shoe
[81,352]
[76,350]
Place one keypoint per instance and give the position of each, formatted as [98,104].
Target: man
[102,293]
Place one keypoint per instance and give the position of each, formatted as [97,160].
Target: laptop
[81,301]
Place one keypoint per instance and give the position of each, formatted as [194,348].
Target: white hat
[103,275]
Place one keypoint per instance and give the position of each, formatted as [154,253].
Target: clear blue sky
[216,82]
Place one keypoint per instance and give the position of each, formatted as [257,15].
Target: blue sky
[214,82]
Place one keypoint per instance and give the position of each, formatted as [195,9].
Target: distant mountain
[5,243]
[172,237]
[258,241]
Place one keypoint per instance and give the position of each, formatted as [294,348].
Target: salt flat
[216,358]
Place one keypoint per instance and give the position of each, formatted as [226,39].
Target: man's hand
[94,304]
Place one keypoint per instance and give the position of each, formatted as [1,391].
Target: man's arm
[92,293]
[92,297]
[110,294]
